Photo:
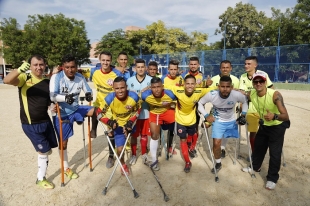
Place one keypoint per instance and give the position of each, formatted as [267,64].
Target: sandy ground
[18,162]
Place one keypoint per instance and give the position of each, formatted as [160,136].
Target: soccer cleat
[248,169]
[191,154]
[218,167]
[270,185]
[110,162]
[223,153]
[45,184]
[155,166]
[126,170]
[93,134]
[133,160]
[70,174]
[172,152]
[187,167]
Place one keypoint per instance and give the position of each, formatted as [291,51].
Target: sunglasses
[259,81]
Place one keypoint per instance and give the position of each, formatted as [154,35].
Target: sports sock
[194,138]
[218,160]
[143,142]
[153,148]
[134,149]
[42,166]
[252,143]
[224,142]
[66,164]
[184,148]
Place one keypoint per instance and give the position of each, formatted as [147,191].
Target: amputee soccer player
[125,108]
[246,85]
[161,114]
[138,84]
[152,69]
[172,78]
[33,91]
[223,118]
[103,81]
[185,115]
[65,88]
[122,61]
[225,70]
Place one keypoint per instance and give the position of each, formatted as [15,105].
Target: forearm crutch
[89,144]
[250,150]
[239,140]
[104,192]
[211,154]
[62,171]
[83,129]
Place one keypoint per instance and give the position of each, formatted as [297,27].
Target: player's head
[140,67]
[69,65]
[259,81]
[189,84]
[225,68]
[193,64]
[157,87]
[37,65]
[105,59]
[225,86]
[152,69]
[122,59]
[120,87]
[250,64]
[173,68]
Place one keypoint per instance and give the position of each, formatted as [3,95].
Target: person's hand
[128,127]
[241,120]
[56,69]
[210,119]
[23,68]
[69,98]
[207,124]
[112,123]
[209,81]
[269,116]
[88,96]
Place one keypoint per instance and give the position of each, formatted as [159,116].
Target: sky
[102,16]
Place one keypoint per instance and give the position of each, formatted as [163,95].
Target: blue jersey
[61,85]
[134,85]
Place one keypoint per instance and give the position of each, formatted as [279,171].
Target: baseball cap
[260,74]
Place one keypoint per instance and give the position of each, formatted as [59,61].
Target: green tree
[301,15]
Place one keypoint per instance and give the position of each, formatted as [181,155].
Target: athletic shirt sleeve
[205,99]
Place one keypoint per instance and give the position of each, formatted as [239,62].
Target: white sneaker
[144,158]
[248,169]
[155,166]
[270,185]
[133,160]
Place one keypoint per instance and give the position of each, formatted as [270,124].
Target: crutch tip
[166,198]
[135,194]
[91,169]
[253,176]
[217,179]
[104,191]
[62,184]
[284,164]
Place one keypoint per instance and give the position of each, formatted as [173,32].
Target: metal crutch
[250,150]
[61,147]
[89,144]
[83,129]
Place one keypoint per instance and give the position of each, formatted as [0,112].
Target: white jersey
[223,108]
[134,85]
[61,85]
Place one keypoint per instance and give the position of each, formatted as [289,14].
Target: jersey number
[65,90]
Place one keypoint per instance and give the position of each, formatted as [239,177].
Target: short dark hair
[225,79]
[173,62]
[68,58]
[153,63]
[105,53]
[119,79]
[140,61]
[225,62]
[156,80]
[194,59]
[252,58]
[189,77]
[122,53]
[38,57]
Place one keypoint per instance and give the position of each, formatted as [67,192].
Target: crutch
[174,137]
[62,172]
[239,130]
[89,144]
[83,129]
[250,150]
[207,136]
[104,192]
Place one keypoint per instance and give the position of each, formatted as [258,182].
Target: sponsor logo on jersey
[110,82]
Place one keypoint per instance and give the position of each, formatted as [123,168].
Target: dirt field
[18,162]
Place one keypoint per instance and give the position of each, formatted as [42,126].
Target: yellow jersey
[161,104]
[216,81]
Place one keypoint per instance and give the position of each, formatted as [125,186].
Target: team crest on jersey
[213,92]
[132,85]
[230,102]
[198,81]
[165,103]
[128,107]
[180,131]
[110,82]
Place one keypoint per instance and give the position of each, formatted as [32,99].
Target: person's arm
[12,77]
[55,91]
[205,99]
[278,101]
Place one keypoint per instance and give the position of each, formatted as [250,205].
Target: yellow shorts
[252,119]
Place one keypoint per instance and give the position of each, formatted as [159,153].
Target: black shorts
[182,130]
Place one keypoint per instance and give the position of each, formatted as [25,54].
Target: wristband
[206,115]
[243,113]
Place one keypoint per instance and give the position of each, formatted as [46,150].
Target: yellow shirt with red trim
[122,111]
[161,104]
[168,80]
[103,83]
[200,79]
[185,111]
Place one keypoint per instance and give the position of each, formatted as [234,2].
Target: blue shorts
[119,137]
[41,135]
[225,129]
[182,130]
[67,121]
